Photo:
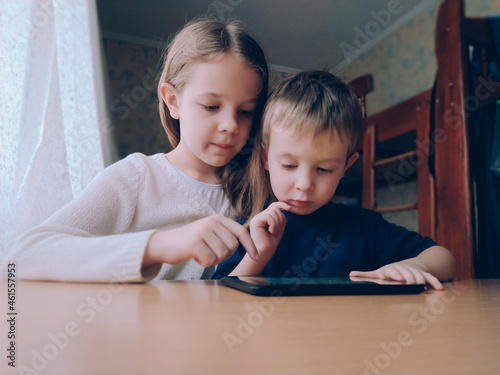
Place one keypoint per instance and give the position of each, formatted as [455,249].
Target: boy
[311,127]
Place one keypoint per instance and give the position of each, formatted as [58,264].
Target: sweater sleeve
[89,239]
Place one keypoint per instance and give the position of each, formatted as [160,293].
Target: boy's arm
[249,267]
[437,261]
[266,230]
[429,267]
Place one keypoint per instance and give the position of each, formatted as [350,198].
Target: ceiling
[295,34]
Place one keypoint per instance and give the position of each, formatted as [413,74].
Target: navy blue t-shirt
[333,241]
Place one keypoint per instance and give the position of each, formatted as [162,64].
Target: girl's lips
[223,146]
[300,204]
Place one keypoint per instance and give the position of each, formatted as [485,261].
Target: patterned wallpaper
[404,64]
[133,70]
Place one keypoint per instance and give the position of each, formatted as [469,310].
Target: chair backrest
[407,125]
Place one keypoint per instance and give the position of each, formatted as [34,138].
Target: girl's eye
[323,170]
[210,107]
[288,166]
[246,113]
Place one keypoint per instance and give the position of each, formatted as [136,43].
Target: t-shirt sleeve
[396,243]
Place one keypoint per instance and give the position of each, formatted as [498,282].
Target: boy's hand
[267,229]
[407,271]
[208,241]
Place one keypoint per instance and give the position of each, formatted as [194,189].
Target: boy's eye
[323,170]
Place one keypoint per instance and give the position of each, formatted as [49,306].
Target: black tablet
[320,286]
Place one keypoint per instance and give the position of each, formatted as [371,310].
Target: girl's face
[305,169]
[215,111]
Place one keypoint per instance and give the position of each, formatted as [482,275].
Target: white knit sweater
[102,234]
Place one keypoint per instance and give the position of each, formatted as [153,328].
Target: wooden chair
[412,117]
[444,190]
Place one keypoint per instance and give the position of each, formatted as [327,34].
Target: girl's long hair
[202,40]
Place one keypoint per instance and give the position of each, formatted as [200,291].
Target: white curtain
[53,120]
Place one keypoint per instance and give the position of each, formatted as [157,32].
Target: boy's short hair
[314,101]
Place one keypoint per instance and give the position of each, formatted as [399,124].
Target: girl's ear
[170,98]
[351,161]
[263,156]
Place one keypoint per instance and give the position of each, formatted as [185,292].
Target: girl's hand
[208,241]
[267,229]
[406,271]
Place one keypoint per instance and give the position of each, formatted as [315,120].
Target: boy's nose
[303,181]
[228,123]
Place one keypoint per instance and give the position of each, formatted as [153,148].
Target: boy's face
[305,170]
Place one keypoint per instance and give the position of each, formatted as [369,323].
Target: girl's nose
[228,123]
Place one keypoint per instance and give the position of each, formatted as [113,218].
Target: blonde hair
[314,101]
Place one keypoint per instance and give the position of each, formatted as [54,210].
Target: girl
[311,128]
[173,208]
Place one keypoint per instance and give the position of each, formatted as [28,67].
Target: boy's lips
[300,203]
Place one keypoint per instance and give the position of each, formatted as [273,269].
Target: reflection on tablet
[257,280]
[261,280]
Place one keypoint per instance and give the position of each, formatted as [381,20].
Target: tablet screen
[267,286]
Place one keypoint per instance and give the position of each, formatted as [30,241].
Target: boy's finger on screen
[370,274]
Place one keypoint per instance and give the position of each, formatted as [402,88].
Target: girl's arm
[266,230]
[431,266]
[89,238]
[107,232]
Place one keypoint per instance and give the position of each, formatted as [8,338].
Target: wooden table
[203,327]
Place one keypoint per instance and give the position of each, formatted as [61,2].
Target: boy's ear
[351,161]
[169,96]
[263,156]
